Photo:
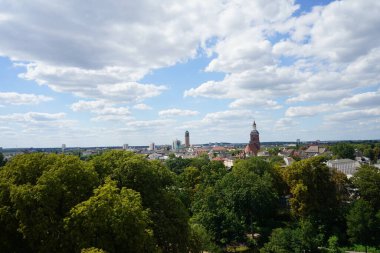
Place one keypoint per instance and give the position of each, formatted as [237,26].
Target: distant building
[347,166]
[176,145]
[125,146]
[288,161]
[253,146]
[63,148]
[314,150]
[152,146]
[187,139]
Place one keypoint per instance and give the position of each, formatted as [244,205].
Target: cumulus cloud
[32,117]
[227,116]
[15,98]
[308,111]
[105,110]
[177,112]
[255,102]
[142,107]
[318,61]
[367,99]
[354,115]
[284,124]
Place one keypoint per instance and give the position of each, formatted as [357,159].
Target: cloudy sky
[99,73]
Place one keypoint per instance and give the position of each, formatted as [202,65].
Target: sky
[112,72]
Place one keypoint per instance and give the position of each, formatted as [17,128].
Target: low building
[314,150]
[347,166]
[288,161]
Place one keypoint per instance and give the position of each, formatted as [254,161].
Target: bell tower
[253,146]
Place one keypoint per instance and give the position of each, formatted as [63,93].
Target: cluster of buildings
[224,152]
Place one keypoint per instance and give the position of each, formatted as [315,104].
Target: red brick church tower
[253,146]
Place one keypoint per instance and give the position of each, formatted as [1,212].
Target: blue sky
[114,72]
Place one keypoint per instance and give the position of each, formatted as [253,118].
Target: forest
[119,201]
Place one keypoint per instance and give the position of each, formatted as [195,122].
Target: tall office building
[63,148]
[176,145]
[187,139]
[125,146]
[152,146]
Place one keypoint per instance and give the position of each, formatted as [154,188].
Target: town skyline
[123,72]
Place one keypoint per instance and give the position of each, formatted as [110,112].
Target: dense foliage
[121,202]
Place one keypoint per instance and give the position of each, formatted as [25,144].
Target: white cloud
[142,107]
[255,102]
[354,115]
[227,116]
[284,124]
[308,111]
[104,110]
[177,112]
[32,117]
[319,96]
[131,91]
[15,98]
[367,99]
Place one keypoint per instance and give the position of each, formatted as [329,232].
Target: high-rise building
[125,146]
[176,145]
[63,148]
[152,146]
[187,139]
[253,146]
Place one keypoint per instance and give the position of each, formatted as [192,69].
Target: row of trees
[121,202]
[118,202]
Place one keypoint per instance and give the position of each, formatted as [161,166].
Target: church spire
[254,125]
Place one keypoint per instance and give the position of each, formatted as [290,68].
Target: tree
[240,202]
[303,238]
[367,180]
[113,219]
[2,160]
[362,223]
[41,191]
[313,190]
[212,211]
[92,250]
[156,185]
[189,183]
[201,241]
[343,150]
[333,244]
[177,164]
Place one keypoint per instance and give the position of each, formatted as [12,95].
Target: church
[253,146]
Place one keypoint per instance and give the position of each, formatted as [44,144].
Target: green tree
[92,250]
[113,219]
[157,187]
[216,215]
[314,191]
[367,181]
[343,150]
[2,160]
[303,238]
[362,224]
[201,241]
[240,202]
[41,190]
[177,164]
[333,244]
[189,183]
[370,153]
